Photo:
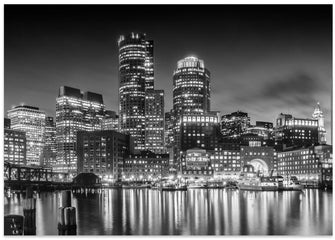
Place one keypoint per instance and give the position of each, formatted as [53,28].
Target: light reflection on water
[192,212]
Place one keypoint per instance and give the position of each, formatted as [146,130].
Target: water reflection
[192,212]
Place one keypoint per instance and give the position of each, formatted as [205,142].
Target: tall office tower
[295,132]
[15,146]
[136,76]
[169,120]
[191,87]
[74,111]
[149,65]
[318,115]
[49,150]
[30,120]
[234,124]
[154,121]
[110,121]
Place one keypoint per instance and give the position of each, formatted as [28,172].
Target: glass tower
[74,111]
[191,87]
[30,120]
[136,75]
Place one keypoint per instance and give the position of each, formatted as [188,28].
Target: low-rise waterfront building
[311,164]
[196,163]
[146,166]
[103,152]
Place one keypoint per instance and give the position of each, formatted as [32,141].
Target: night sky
[263,59]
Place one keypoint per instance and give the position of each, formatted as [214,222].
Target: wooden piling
[29,212]
[13,225]
[67,224]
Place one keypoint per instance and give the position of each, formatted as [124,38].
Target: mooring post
[29,212]
[67,224]
[13,225]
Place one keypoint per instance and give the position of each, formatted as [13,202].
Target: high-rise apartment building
[191,87]
[49,150]
[154,121]
[234,124]
[318,115]
[30,120]
[75,111]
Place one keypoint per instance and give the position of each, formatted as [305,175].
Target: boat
[292,185]
[136,186]
[250,181]
[196,186]
[174,188]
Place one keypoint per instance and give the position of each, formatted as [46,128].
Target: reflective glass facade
[133,61]
[191,87]
[75,111]
[30,120]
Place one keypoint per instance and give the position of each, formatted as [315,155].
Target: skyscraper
[74,111]
[154,121]
[318,115]
[30,120]
[135,75]
[191,87]
[49,150]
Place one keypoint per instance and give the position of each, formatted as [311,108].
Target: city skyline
[289,67]
[193,119]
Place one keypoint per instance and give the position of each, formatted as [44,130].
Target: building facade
[103,153]
[191,87]
[134,76]
[196,163]
[30,120]
[75,111]
[7,123]
[49,150]
[198,131]
[168,134]
[234,124]
[146,166]
[15,146]
[309,164]
[295,132]
[154,121]
[262,158]
[110,121]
